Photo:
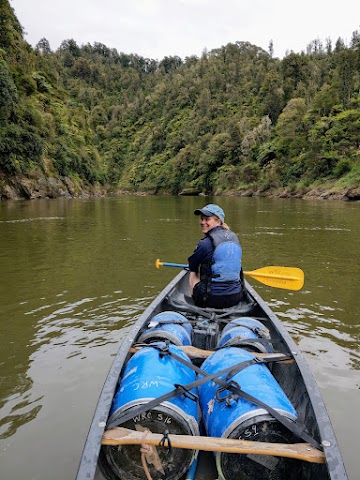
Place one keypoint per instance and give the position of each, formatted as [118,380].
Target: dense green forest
[236,120]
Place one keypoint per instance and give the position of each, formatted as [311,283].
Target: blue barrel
[238,418]
[170,326]
[241,329]
[149,375]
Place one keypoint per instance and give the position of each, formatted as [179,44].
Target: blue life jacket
[225,264]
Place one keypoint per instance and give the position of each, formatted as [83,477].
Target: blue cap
[210,210]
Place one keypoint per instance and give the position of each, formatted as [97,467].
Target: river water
[75,275]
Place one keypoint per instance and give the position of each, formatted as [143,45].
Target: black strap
[173,322]
[296,427]
[254,328]
[180,389]
[177,391]
[238,341]
[236,368]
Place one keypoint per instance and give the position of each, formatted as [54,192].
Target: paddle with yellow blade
[289,278]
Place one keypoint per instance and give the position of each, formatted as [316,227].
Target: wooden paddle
[289,278]
[299,451]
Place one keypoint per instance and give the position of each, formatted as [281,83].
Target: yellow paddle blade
[290,278]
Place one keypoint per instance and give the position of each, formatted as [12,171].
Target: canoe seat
[184,303]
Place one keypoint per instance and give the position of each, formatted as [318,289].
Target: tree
[20,149]
[345,72]
[271,48]
[170,63]
[295,70]
[43,47]
[291,138]
[272,95]
[71,47]
[9,95]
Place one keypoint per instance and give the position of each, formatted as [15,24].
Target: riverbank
[30,187]
[332,193]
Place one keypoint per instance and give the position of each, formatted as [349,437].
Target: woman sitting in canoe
[215,265]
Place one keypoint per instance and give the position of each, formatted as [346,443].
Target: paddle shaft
[249,274]
[192,470]
[300,451]
[291,278]
[177,265]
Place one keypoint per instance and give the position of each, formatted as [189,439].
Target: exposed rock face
[353,194]
[35,186]
[348,194]
[333,194]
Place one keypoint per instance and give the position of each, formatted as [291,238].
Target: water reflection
[10,422]
[21,220]
[322,336]
[61,331]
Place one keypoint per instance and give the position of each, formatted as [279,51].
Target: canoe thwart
[299,451]
[194,352]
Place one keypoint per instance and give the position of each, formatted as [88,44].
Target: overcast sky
[159,28]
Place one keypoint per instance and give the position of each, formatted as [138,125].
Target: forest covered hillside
[86,119]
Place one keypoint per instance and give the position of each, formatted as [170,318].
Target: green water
[75,274]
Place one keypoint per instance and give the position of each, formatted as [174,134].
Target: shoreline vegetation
[88,120]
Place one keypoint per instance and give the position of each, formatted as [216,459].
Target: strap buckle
[230,396]
[187,393]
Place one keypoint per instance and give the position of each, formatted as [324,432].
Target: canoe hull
[295,379]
